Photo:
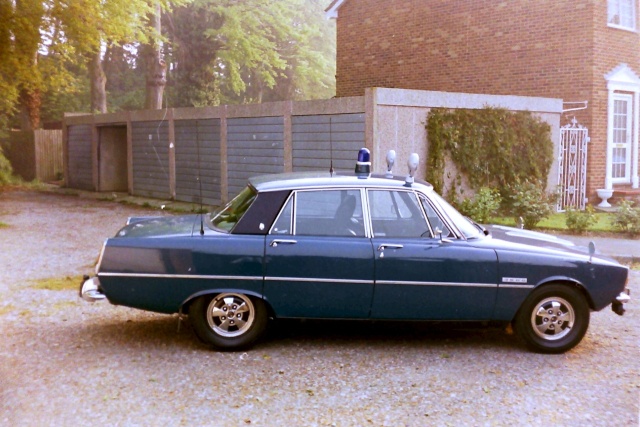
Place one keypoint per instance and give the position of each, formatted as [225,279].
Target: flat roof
[301,180]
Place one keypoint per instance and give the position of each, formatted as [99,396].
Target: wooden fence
[48,148]
[36,155]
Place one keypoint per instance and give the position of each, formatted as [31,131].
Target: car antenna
[199,179]
[330,147]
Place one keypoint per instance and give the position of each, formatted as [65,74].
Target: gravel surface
[66,362]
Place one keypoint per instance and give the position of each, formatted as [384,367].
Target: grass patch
[58,284]
[6,309]
[558,221]
[4,225]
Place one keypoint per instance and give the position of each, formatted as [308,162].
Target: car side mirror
[438,232]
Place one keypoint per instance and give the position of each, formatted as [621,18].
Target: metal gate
[572,176]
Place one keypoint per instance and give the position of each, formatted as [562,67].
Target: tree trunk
[30,102]
[156,68]
[98,84]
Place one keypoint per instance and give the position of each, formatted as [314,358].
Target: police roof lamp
[391,159]
[363,165]
[413,162]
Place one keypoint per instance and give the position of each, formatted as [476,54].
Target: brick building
[576,50]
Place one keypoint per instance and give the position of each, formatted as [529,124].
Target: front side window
[396,214]
[322,213]
[225,218]
[622,14]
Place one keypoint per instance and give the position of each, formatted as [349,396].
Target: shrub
[485,203]
[6,172]
[528,201]
[578,221]
[627,218]
[492,147]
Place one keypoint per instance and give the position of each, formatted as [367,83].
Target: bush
[627,218]
[491,147]
[578,221]
[485,203]
[6,172]
[528,201]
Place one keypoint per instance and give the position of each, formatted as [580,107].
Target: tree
[225,51]
[26,21]
[47,41]
[156,67]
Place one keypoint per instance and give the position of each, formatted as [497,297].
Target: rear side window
[322,213]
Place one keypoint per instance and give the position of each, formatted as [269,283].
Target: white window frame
[620,8]
[626,144]
[623,84]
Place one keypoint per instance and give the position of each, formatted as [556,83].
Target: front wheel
[228,321]
[553,319]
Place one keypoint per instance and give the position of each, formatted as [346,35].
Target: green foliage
[529,201]
[492,147]
[227,51]
[627,218]
[6,172]
[485,204]
[579,221]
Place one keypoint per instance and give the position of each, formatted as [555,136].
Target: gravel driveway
[66,362]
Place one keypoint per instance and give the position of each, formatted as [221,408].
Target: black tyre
[228,321]
[553,319]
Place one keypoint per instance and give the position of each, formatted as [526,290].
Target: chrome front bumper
[618,304]
[90,290]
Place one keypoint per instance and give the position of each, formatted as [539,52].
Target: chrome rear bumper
[90,290]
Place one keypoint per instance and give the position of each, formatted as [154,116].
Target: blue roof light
[364,155]
[363,165]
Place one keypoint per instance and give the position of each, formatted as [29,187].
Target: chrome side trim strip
[469,285]
[512,286]
[320,280]
[181,276]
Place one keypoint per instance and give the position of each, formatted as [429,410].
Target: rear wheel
[228,321]
[553,319]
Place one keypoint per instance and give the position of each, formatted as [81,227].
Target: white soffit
[332,11]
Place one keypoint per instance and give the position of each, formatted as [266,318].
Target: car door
[319,262]
[423,276]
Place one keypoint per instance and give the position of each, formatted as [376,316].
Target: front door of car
[319,262]
[418,275]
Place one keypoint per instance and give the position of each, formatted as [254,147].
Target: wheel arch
[566,281]
[186,304]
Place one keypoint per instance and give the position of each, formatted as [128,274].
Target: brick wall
[559,49]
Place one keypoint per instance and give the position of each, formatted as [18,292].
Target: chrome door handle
[383,246]
[274,243]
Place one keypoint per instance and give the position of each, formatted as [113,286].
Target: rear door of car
[319,261]
[420,275]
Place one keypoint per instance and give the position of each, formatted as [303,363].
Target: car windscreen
[467,229]
[226,217]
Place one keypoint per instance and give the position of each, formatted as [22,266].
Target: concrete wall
[400,115]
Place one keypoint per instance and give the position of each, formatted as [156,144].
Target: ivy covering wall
[493,147]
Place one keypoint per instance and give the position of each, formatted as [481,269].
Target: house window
[621,149]
[622,14]
[623,135]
